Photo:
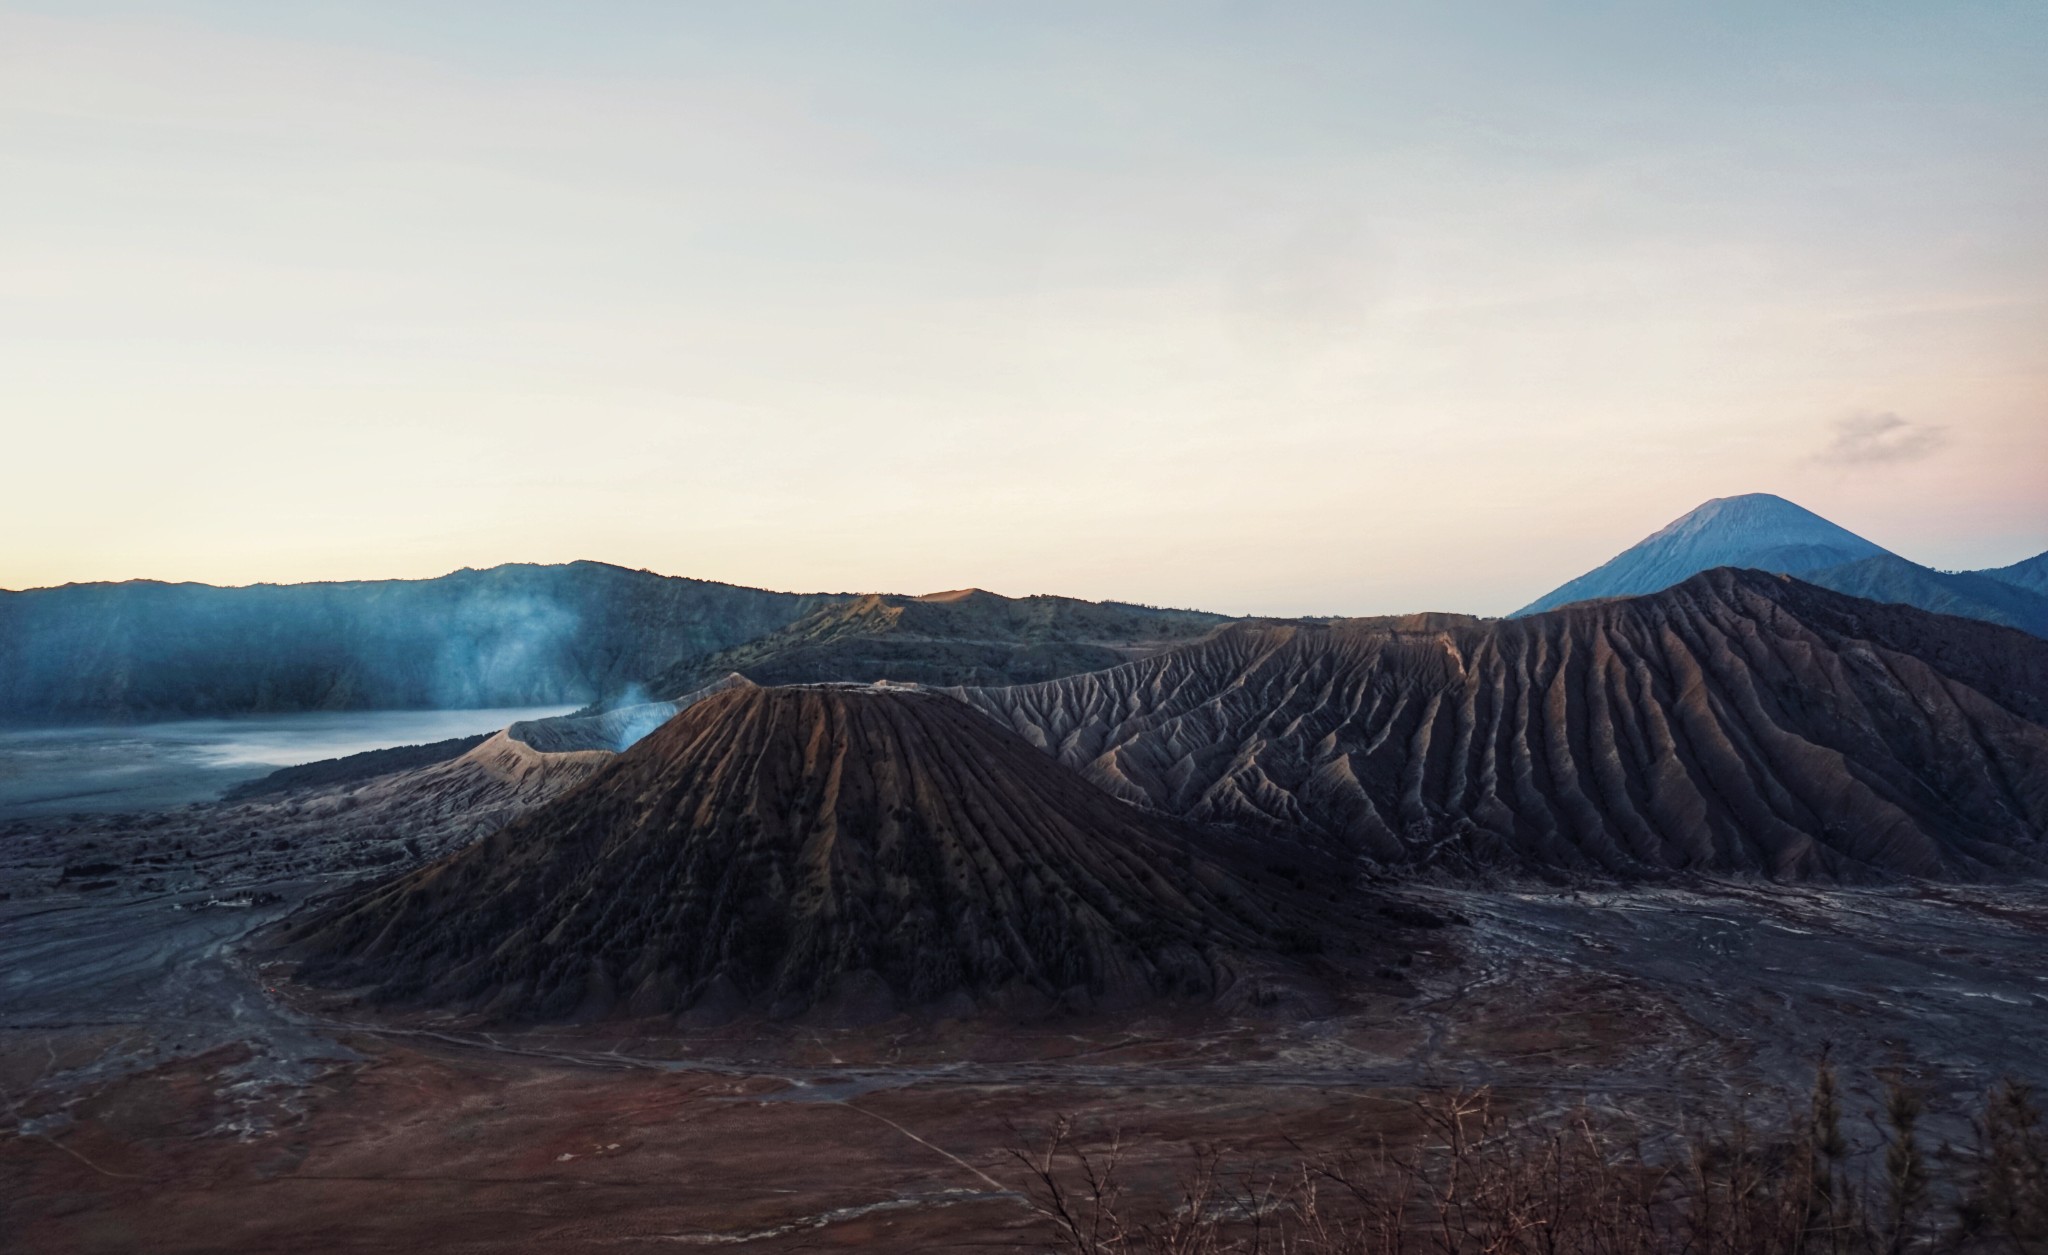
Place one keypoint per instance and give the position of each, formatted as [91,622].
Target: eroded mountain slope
[777,849]
[1737,722]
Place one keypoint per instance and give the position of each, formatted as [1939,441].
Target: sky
[1262,308]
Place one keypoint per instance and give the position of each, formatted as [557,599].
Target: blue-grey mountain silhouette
[1763,532]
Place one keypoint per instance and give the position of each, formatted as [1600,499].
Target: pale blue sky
[1274,308]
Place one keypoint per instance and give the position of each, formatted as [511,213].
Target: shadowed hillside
[2031,574]
[1738,722]
[1970,594]
[779,849]
[516,635]
[964,637]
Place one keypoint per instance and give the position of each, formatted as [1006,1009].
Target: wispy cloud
[1870,439]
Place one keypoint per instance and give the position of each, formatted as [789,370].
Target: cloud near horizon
[1876,439]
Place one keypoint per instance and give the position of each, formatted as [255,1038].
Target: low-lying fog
[59,770]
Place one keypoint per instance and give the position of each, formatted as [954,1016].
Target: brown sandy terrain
[449,1150]
[161,1099]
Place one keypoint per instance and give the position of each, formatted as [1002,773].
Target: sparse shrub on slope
[1474,1181]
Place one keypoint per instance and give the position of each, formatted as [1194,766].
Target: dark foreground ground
[165,1092]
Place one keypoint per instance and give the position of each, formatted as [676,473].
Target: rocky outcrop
[1737,722]
[449,804]
[853,850]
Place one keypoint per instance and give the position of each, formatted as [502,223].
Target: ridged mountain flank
[853,851]
[1756,529]
[1739,722]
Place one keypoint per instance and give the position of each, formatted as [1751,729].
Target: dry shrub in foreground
[1479,1183]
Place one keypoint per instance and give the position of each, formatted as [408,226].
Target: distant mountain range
[522,635]
[514,635]
[2032,574]
[1768,533]
[592,634]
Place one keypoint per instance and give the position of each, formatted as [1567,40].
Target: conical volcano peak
[778,849]
[1757,529]
[1760,517]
